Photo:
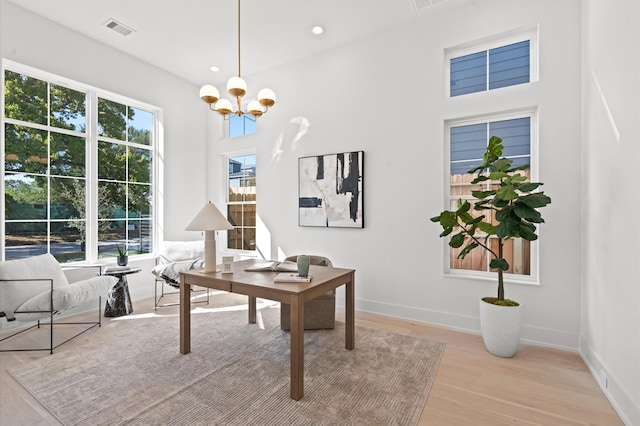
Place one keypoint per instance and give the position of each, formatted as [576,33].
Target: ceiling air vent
[118,27]
[421,4]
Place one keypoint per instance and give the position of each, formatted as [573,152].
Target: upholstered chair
[319,313]
[35,289]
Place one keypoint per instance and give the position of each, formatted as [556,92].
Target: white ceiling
[186,37]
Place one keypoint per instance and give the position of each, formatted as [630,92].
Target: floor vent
[118,27]
[421,4]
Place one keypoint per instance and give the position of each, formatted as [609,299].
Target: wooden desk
[260,284]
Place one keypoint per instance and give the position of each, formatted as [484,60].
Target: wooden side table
[119,300]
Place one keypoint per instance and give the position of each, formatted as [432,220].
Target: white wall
[31,40]
[386,95]
[610,332]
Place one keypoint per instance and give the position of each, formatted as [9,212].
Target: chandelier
[237,88]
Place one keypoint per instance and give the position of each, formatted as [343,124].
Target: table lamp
[209,219]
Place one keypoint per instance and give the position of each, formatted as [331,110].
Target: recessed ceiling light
[214,68]
[317,29]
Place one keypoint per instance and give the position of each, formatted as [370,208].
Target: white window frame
[534,276]
[91,112]
[226,157]
[504,39]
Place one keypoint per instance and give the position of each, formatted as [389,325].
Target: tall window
[125,158]
[467,144]
[48,179]
[241,202]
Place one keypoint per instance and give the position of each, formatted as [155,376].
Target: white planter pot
[500,327]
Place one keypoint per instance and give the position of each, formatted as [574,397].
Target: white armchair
[36,289]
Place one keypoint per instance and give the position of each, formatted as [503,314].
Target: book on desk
[288,277]
[284,266]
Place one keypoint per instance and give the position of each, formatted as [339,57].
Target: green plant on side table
[515,207]
[123,255]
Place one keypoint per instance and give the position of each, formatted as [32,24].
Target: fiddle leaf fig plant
[514,206]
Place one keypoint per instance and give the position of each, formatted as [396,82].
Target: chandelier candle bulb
[236,86]
[209,94]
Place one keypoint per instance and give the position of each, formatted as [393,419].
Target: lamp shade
[209,218]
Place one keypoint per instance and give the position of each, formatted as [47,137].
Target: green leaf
[528,187]
[499,263]
[494,148]
[526,212]
[466,218]
[446,232]
[527,233]
[465,251]
[506,193]
[497,175]
[465,207]
[480,178]
[486,227]
[457,240]
[502,165]
[448,219]
[483,194]
[536,200]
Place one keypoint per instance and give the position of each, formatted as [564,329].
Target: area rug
[236,374]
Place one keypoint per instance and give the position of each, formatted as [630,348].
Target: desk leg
[185,317]
[350,326]
[252,309]
[297,348]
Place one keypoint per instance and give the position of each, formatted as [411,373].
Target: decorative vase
[500,327]
[123,260]
[303,265]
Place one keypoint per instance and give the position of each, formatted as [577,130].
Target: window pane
[112,121]
[139,201]
[468,144]
[25,149]
[67,198]
[509,65]
[25,239]
[140,126]
[468,73]
[516,138]
[110,233]
[67,155]
[139,165]
[139,236]
[68,241]
[68,108]
[25,98]
[112,161]
[241,125]
[25,197]
[113,200]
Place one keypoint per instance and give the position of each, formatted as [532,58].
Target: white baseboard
[467,323]
[623,403]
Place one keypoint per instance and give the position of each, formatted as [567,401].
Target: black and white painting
[330,190]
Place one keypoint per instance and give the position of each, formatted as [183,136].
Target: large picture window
[467,143]
[48,180]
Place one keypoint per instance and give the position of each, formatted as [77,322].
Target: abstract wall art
[330,190]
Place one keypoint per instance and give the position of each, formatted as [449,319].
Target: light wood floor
[539,386]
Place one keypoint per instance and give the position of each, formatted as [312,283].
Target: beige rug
[236,374]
